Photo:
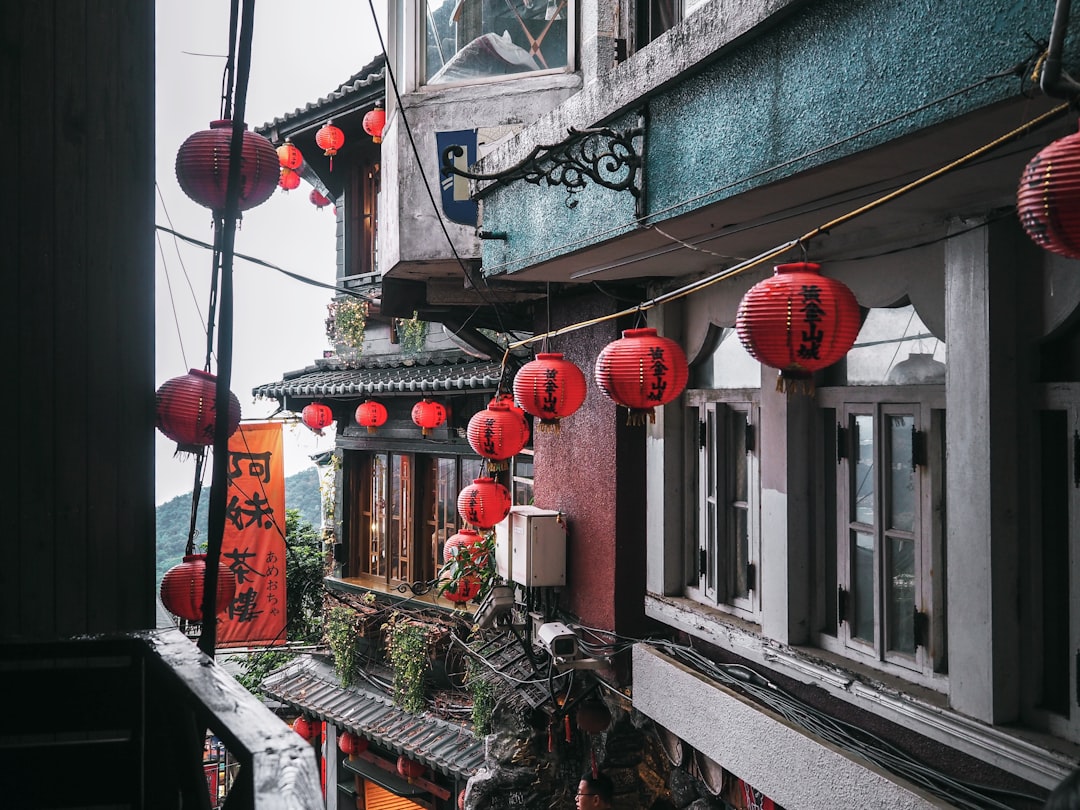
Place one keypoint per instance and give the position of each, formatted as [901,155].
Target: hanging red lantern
[182,588]
[1048,199]
[483,503]
[317,416]
[409,768]
[289,179]
[593,716]
[186,409]
[461,800]
[466,540]
[202,167]
[317,199]
[498,434]
[330,139]
[375,122]
[289,156]
[798,321]
[308,729]
[371,414]
[641,371]
[428,415]
[351,743]
[463,589]
[550,388]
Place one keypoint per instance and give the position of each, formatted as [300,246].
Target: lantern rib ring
[802,241]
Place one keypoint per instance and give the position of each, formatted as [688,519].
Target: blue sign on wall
[456,203]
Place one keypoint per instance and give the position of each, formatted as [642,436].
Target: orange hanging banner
[253,545]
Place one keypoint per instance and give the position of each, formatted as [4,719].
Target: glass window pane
[465,40]
[737,461]
[900,595]
[376,561]
[740,548]
[901,474]
[729,366]
[863,482]
[710,547]
[862,587]
[894,347]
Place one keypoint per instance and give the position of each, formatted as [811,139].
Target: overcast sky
[300,53]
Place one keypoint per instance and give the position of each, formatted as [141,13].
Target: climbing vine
[342,634]
[345,322]
[407,647]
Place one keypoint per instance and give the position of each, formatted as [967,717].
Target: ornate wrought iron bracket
[607,157]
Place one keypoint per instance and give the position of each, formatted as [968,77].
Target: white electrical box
[537,547]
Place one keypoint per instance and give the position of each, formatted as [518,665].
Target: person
[594,792]
[1066,796]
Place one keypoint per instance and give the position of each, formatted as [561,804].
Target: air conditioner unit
[530,547]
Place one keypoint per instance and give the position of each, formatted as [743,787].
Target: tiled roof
[371,74]
[329,380]
[310,685]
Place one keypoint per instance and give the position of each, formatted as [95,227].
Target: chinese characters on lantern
[813,314]
[253,546]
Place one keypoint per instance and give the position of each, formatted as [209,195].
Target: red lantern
[497,433]
[352,744]
[467,540]
[289,156]
[317,416]
[371,414]
[593,716]
[330,139]
[461,800]
[182,588]
[1048,200]
[483,503]
[317,199]
[409,768]
[428,415]
[308,729]
[463,590]
[798,321]
[186,409]
[375,122]
[289,179]
[641,371]
[550,388]
[202,167]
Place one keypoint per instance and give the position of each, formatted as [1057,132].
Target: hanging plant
[346,321]
[483,697]
[412,334]
[407,648]
[343,631]
[469,568]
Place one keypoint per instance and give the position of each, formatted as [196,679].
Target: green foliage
[258,665]
[407,647]
[346,321]
[476,561]
[412,334]
[343,629]
[483,697]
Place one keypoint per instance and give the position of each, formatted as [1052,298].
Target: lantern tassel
[636,418]
[795,383]
[371,429]
[549,426]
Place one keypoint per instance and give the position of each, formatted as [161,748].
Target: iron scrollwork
[605,156]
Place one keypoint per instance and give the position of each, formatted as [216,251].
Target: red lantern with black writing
[371,414]
[483,503]
[183,588]
[375,122]
[409,768]
[289,156]
[202,167]
[308,729]
[351,743]
[186,410]
[798,321]
[317,416]
[289,179]
[466,540]
[497,434]
[1048,199]
[428,415]
[462,589]
[330,139]
[550,388]
[641,371]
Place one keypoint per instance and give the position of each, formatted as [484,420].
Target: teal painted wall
[784,102]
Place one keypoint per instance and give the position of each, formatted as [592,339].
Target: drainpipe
[1054,82]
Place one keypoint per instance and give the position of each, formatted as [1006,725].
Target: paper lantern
[330,139]
[186,410]
[550,388]
[428,415]
[462,589]
[182,588]
[308,729]
[202,167]
[317,416]
[317,199]
[467,540]
[409,768]
[798,321]
[371,414]
[1048,199]
[497,434]
[375,122]
[483,503]
[289,156]
[289,179]
[593,716]
[641,371]
[351,743]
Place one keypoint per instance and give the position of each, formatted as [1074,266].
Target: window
[521,492]
[726,545]
[654,17]
[471,40]
[883,506]
[361,220]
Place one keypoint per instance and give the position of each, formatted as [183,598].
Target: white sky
[300,53]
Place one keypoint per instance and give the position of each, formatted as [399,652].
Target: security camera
[559,640]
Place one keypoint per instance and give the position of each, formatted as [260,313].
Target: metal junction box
[530,547]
